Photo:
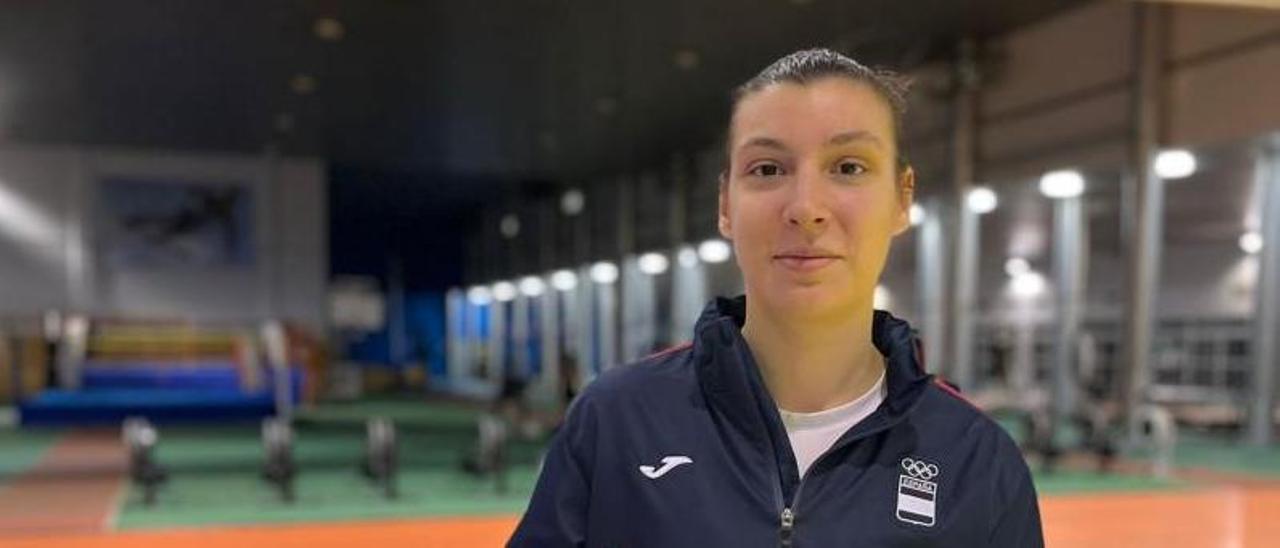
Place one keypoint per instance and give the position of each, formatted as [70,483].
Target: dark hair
[810,65]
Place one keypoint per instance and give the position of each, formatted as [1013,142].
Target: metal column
[455,325]
[1145,208]
[1267,299]
[959,363]
[1070,258]
[931,281]
[965,305]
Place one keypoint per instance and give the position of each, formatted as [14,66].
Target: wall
[49,256]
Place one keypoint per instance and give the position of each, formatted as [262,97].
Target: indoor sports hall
[316,273]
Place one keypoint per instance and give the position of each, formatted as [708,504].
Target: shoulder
[649,376]
[951,420]
[654,382]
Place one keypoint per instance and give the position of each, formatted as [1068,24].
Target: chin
[808,299]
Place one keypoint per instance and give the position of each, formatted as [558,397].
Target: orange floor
[1212,517]
[85,500]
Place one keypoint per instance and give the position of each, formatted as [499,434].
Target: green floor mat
[1079,482]
[214,472]
[22,449]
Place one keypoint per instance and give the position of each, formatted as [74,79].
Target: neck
[813,364]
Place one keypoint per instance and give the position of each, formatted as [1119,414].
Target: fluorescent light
[571,202]
[687,256]
[604,272]
[1065,183]
[916,214]
[532,286]
[1175,164]
[509,226]
[1016,266]
[714,251]
[564,280]
[981,200]
[504,291]
[653,263]
[479,295]
[1029,284]
[1251,242]
[881,298]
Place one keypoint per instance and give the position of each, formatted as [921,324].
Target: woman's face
[811,198]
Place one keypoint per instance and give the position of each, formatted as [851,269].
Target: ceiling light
[653,263]
[1175,164]
[571,202]
[564,280]
[504,291]
[687,256]
[532,286]
[916,214]
[714,251]
[686,59]
[604,272]
[1251,242]
[1065,183]
[479,295]
[880,300]
[981,200]
[329,29]
[1029,284]
[509,226]
[606,106]
[1016,266]
[303,84]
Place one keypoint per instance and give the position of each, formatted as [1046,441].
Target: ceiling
[509,92]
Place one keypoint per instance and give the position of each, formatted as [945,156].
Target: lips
[806,259]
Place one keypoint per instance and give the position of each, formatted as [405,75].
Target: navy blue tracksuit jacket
[686,448]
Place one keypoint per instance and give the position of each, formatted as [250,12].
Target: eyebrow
[851,136]
[839,139]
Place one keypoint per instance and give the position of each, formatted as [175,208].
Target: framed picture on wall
[155,224]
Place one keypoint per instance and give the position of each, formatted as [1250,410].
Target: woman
[798,416]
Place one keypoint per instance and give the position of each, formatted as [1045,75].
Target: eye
[850,167]
[765,170]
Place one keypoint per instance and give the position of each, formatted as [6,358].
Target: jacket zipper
[787,517]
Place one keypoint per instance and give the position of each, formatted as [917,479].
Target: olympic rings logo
[919,469]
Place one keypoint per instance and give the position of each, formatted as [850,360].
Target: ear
[722,221]
[906,189]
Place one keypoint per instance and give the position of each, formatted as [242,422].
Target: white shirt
[811,434]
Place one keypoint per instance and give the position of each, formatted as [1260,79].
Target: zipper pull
[788,523]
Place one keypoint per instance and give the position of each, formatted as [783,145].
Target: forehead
[816,110]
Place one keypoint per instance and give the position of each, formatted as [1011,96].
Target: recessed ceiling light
[714,251]
[1064,183]
[1251,242]
[284,123]
[653,263]
[981,200]
[564,280]
[606,106]
[687,59]
[504,291]
[1175,164]
[571,202]
[303,84]
[916,214]
[509,226]
[329,29]
[604,272]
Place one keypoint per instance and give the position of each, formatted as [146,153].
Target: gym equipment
[140,439]
[278,466]
[490,455]
[380,464]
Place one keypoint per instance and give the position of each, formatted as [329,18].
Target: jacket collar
[732,381]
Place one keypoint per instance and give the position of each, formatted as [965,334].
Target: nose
[807,209]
